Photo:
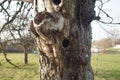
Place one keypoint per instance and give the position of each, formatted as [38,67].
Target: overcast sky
[113,9]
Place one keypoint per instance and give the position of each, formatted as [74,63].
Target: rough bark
[63,38]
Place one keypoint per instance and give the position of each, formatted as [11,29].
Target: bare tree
[118,41]
[113,35]
[9,16]
[105,43]
[16,23]
[63,37]
[3,48]
[19,26]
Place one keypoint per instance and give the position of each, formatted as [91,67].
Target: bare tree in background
[113,35]
[105,43]
[118,41]
[19,26]
[16,23]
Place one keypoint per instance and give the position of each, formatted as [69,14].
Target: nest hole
[65,43]
[57,2]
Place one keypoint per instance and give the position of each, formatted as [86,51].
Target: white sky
[113,9]
[1,1]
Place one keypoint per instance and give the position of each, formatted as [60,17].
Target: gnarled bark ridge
[63,36]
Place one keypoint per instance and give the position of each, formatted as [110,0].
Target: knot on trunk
[46,24]
[39,18]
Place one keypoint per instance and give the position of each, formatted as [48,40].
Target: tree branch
[109,22]
[8,60]
[27,1]
[12,19]
[107,15]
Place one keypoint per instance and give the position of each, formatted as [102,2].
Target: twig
[8,60]
[12,19]
[103,28]
[101,10]
[108,22]
[101,6]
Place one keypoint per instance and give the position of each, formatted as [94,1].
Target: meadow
[105,66]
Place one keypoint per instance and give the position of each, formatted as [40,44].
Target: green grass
[26,72]
[108,67]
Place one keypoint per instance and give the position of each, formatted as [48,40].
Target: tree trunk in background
[25,55]
[64,41]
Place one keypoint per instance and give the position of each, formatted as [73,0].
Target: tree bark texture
[63,37]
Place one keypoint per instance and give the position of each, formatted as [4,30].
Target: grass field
[107,67]
[26,72]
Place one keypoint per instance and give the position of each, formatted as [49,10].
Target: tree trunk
[63,38]
[25,56]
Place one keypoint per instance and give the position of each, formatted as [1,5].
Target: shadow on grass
[109,75]
[111,51]
[32,66]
